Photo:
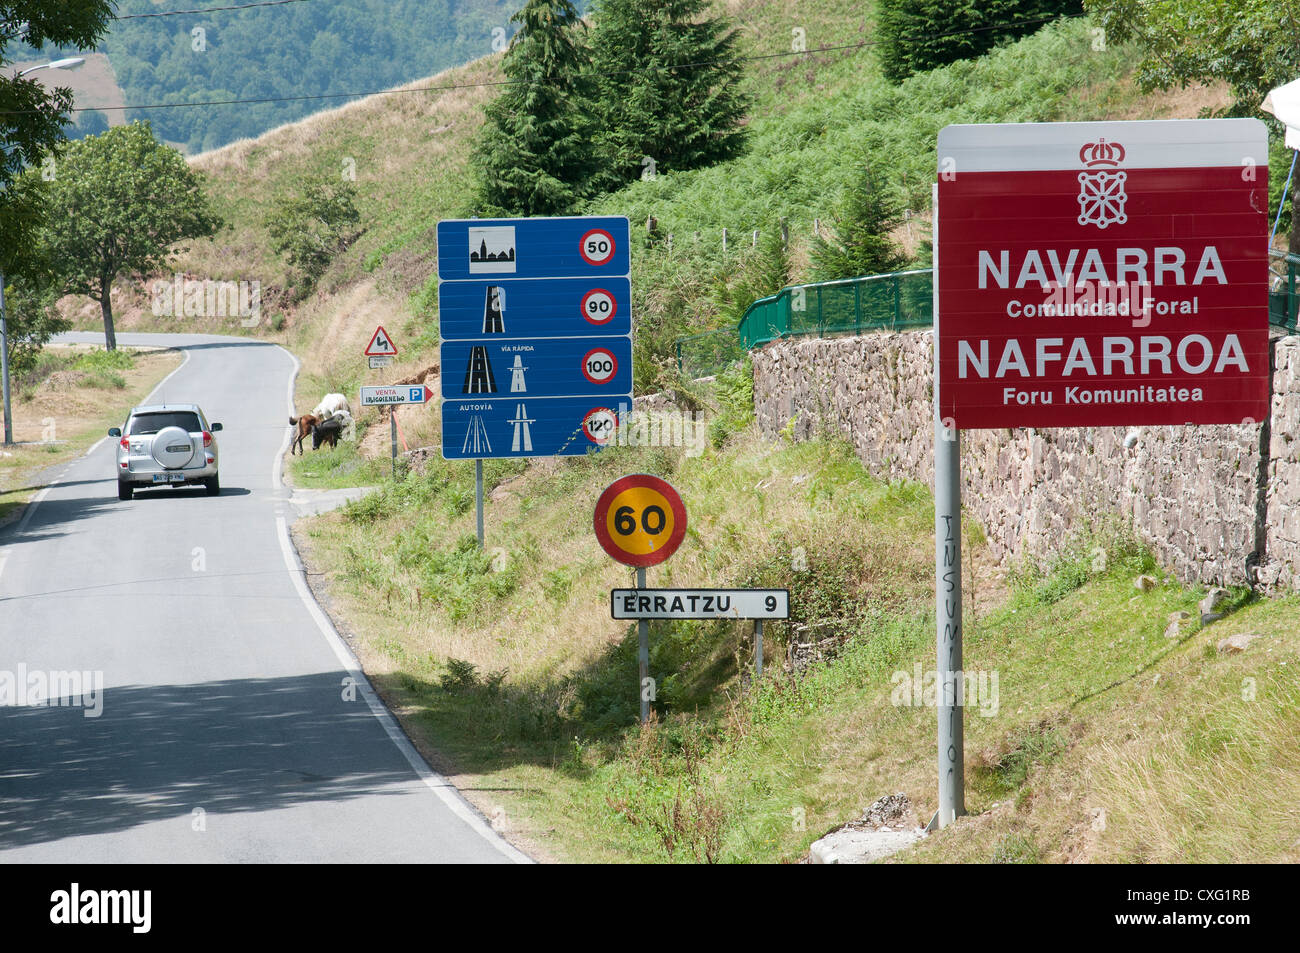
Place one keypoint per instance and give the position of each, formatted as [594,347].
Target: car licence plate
[169,477]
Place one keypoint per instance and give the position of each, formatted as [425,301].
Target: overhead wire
[450,87]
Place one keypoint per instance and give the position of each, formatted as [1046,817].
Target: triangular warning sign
[381,344]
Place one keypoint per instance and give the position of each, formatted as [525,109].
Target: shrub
[309,229]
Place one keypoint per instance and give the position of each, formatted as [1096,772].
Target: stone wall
[1197,494]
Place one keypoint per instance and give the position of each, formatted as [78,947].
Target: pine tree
[861,244]
[668,82]
[536,153]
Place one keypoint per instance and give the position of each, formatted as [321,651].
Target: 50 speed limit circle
[640,520]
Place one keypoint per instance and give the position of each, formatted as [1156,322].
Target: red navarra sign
[1099,274]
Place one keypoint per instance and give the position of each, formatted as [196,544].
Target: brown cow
[305,424]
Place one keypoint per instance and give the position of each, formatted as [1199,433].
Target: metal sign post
[947,590]
[478,498]
[392,434]
[4,365]
[948,593]
[758,648]
[643,653]
[947,562]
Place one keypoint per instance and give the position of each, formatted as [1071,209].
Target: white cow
[329,404]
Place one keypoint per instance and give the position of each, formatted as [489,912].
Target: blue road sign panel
[535,316]
[474,429]
[556,307]
[584,247]
[537,367]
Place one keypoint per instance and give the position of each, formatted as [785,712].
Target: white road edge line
[444,789]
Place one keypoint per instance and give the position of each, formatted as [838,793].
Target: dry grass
[61,417]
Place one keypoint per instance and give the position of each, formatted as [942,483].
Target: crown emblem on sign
[1101,153]
[1101,192]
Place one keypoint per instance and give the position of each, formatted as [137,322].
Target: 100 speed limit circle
[599,365]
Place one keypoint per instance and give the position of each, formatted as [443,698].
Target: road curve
[226,729]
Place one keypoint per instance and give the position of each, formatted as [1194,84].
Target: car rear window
[152,423]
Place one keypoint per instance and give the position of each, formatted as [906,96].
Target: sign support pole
[643,653]
[4,365]
[758,648]
[947,539]
[392,433]
[478,499]
[947,589]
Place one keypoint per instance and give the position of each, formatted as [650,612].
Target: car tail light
[125,444]
[207,439]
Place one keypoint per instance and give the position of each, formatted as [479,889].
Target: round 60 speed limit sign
[640,520]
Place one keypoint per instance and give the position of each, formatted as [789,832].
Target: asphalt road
[225,729]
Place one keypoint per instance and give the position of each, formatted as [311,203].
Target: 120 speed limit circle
[599,425]
[640,520]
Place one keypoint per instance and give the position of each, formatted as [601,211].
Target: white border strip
[1148,144]
[444,789]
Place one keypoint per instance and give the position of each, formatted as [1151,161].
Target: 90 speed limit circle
[599,306]
[640,520]
[599,365]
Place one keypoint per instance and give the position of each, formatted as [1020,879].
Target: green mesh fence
[877,302]
[1282,301]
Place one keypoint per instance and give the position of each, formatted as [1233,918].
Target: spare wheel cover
[172,448]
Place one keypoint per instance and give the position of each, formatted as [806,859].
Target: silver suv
[166,445]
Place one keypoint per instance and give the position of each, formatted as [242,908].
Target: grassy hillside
[817,120]
[1105,740]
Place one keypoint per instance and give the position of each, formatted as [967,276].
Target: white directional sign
[398,394]
[699,603]
[383,360]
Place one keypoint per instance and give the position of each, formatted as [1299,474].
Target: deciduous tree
[118,204]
